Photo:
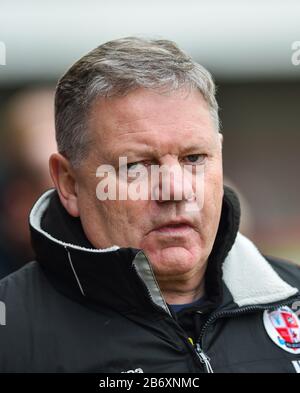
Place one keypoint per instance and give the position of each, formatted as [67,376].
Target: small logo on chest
[283,327]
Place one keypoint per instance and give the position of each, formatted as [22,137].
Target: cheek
[211,211]
[127,219]
[213,196]
[131,212]
[214,182]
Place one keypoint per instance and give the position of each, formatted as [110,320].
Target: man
[159,283]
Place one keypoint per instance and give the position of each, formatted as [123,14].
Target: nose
[173,182]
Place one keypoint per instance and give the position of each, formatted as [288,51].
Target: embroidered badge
[283,327]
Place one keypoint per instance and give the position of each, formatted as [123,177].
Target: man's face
[154,129]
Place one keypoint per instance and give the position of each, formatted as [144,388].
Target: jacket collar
[250,278]
[122,278]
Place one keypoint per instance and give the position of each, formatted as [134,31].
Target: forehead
[145,119]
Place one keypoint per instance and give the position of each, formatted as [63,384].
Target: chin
[172,261]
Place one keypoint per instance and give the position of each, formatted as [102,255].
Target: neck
[182,291]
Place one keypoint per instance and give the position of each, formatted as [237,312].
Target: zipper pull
[204,359]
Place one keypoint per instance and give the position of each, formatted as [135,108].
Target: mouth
[176,227]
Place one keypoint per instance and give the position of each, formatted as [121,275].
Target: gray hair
[117,68]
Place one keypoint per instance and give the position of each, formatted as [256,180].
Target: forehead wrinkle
[147,134]
[143,150]
[142,123]
[189,130]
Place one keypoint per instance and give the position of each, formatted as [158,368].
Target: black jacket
[80,309]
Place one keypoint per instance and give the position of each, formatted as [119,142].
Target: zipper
[204,359]
[242,310]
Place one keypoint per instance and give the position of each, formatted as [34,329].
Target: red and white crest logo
[283,327]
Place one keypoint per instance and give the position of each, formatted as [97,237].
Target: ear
[64,179]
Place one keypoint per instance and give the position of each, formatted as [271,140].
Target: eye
[138,165]
[132,165]
[196,158]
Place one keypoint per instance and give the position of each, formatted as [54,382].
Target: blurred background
[249,47]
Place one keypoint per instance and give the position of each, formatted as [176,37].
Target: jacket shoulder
[20,281]
[287,270]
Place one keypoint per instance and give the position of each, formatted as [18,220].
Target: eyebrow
[147,152]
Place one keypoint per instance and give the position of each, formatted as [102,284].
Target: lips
[179,226]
